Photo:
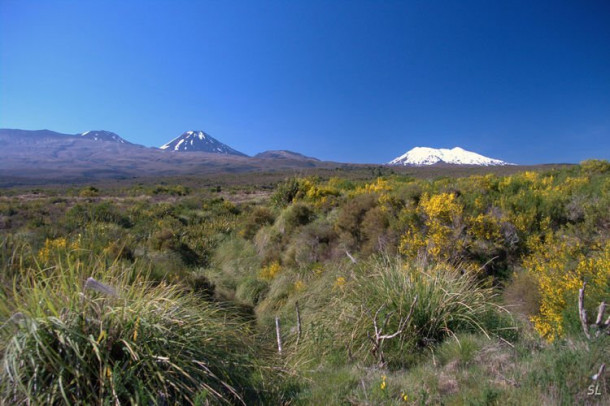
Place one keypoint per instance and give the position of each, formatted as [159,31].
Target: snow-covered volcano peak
[195,140]
[422,156]
[198,134]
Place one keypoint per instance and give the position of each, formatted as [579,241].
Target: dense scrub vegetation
[390,290]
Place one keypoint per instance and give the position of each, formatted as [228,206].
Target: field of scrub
[385,290]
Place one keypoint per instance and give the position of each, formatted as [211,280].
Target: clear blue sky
[351,81]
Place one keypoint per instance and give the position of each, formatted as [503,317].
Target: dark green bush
[257,218]
[350,219]
[294,216]
[285,192]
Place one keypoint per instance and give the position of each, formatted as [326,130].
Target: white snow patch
[177,147]
[421,156]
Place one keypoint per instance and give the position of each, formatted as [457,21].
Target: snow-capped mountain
[101,135]
[422,156]
[199,141]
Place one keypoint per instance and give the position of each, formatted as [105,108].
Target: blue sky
[350,81]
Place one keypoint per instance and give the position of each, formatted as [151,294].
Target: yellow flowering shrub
[439,238]
[312,190]
[486,227]
[595,165]
[53,248]
[560,264]
[320,193]
[270,271]
[380,185]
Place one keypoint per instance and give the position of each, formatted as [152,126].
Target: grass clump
[120,340]
[413,307]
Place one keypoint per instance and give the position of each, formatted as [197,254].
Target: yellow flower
[404,397]
[135,330]
[383,383]
[340,282]
[269,272]
[101,336]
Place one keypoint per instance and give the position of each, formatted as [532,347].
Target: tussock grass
[234,261]
[382,291]
[117,339]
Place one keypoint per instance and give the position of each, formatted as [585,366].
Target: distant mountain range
[46,155]
[422,156]
[23,142]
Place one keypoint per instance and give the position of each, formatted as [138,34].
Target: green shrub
[259,217]
[461,350]
[120,341]
[592,166]
[310,245]
[175,190]
[374,231]
[89,191]
[383,291]
[106,212]
[251,291]
[296,215]
[285,192]
[350,218]
[234,261]
[563,372]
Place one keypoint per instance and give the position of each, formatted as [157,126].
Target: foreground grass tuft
[118,340]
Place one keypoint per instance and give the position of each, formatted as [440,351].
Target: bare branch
[388,336]
[278,334]
[412,308]
[600,313]
[403,322]
[598,322]
[351,257]
[599,373]
[379,338]
[581,310]
[387,319]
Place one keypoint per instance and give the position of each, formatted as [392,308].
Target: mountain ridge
[284,154]
[42,156]
[103,135]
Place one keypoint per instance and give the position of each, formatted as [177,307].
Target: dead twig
[379,338]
